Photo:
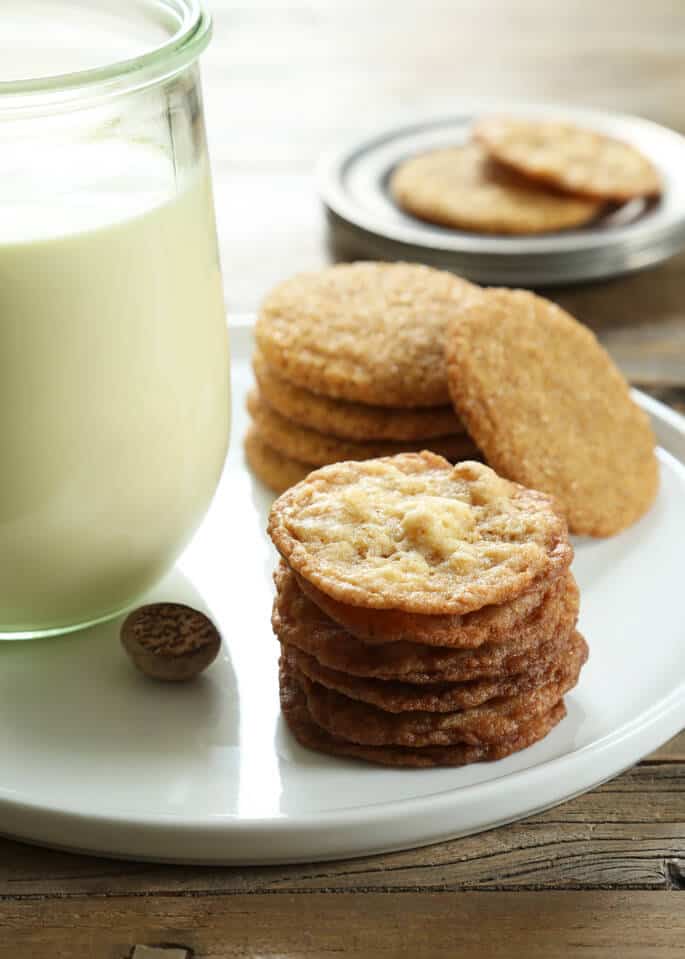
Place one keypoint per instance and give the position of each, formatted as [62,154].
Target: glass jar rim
[181,48]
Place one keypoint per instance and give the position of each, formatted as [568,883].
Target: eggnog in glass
[114,370]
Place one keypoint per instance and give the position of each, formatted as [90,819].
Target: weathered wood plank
[628,833]
[480,925]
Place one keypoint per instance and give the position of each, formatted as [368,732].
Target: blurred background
[285,80]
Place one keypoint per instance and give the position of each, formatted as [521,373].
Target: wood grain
[645,925]
[628,833]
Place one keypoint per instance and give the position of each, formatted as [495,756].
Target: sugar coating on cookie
[413,533]
[318,449]
[549,409]
[583,162]
[366,332]
[347,420]
[463,187]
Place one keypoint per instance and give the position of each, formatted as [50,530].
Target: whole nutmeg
[170,641]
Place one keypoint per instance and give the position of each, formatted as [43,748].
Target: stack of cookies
[426,612]
[350,365]
[523,176]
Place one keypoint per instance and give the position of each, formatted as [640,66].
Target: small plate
[366,222]
[95,758]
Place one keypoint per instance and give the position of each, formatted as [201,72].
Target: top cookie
[549,409]
[583,162]
[463,187]
[411,532]
[367,332]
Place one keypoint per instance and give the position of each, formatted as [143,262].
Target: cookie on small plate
[463,187]
[365,332]
[568,157]
[550,410]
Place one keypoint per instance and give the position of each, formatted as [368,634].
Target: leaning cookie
[550,410]
[582,162]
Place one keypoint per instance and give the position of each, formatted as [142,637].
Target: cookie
[308,446]
[308,734]
[413,533]
[583,162]
[549,409]
[276,471]
[529,612]
[353,421]
[365,332]
[493,722]
[463,187]
[399,697]
[298,622]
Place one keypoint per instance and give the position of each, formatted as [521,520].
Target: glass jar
[114,370]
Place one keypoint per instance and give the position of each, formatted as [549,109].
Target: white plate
[95,758]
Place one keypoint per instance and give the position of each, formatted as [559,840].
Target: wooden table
[602,875]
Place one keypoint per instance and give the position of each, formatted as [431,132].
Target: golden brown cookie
[400,697]
[570,158]
[493,722]
[276,471]
[549,409]
[366,332]
[411,532]
[300,623]
[529,612]
[308,446]
[463,187]
[308,734]
[354,421]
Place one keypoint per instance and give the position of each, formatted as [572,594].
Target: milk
[114,381]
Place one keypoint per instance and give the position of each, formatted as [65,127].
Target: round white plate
[95,758]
